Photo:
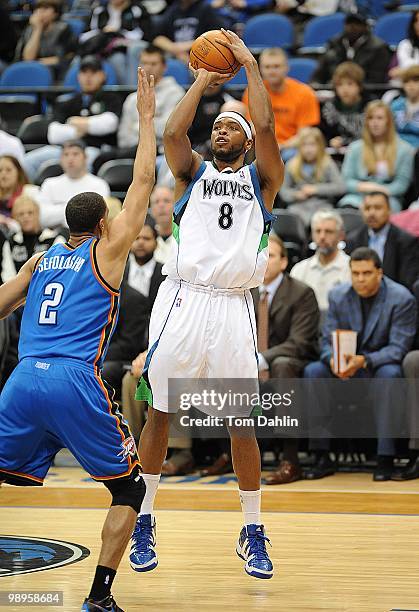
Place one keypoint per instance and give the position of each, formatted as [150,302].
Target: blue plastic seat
[26,74]
[320,30]
[301,68]
[392,28]
[269,30]
[77,25]
[70,79]
[239,79]
[178,70]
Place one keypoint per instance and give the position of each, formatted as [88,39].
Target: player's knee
[127,491]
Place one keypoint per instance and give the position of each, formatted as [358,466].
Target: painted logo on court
[21,555]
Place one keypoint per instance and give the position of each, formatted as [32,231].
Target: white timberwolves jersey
[221,228]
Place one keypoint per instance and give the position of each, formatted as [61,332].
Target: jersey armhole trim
[38,261]
[96,270]
[267,215]
[186,194]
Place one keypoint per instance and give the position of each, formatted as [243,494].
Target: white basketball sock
[151,483]
[250,503]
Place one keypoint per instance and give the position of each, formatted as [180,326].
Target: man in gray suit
[292,338]
[383,313]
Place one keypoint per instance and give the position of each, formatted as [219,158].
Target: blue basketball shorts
[49,404]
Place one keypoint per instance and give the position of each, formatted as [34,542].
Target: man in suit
[141,282]
[397,249]
[288,320]
[292,316]
[383,313]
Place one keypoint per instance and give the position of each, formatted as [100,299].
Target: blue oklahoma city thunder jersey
[70,311]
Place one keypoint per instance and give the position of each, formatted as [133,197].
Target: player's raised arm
[13,292]
[182,160]
[126,226]
[269,163]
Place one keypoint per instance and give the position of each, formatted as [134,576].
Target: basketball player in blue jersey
[202,324]
[56,396]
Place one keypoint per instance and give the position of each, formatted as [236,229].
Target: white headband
[239,119]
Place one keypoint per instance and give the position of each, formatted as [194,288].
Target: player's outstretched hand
[236,46]
[146,100]
[212,78]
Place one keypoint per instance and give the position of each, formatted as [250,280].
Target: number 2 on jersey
[47,314]
[225,220]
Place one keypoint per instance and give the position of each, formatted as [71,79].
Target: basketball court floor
[342,544]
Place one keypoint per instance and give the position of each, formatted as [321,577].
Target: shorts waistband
[210,288]
[43,363]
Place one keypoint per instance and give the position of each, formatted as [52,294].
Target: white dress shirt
[323,278]
[139,277]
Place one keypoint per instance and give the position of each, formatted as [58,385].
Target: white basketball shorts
[198,332]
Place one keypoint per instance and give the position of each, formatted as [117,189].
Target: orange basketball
[208,54]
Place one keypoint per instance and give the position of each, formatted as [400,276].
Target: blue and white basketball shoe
[143,556]
[251,547]
[104,605]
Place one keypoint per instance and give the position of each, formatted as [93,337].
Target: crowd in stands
[344,252]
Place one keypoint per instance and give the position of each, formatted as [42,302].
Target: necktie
[263,328]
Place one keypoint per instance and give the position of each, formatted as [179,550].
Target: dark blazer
[401,253]
[389,331]
[293,321]
[156,280]
[131,333]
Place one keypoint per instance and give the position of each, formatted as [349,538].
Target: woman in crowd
[343,117]
[407,53]
[13,182]
[30,238]
[312,179]
[47,39]
[379,161]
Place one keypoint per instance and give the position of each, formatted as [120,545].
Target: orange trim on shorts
[102,337]
[21,475]
[96,272]
[109,402]
[127,473]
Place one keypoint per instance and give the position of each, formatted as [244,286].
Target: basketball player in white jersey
[202,324]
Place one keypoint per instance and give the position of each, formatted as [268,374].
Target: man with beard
[202,324]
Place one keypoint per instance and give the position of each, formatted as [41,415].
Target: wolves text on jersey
[226,188]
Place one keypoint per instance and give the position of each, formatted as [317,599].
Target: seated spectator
[182,23]
[312,179]
[13,183]
[380,161]
[383,313]
[11,145]
[168,93]
[407,53]
[292,322]
[8,37]
[144,276]
[398,250]
[294,104]
[342,118]
[47,39]
[237,12]
[329,266]
[208,109]
[161,207]
[57,191]
[405,109]
[408,219]
[411,372]
[91,115]
[115,26]
[302,10]
[30,239]
[356,44]
[7,268]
